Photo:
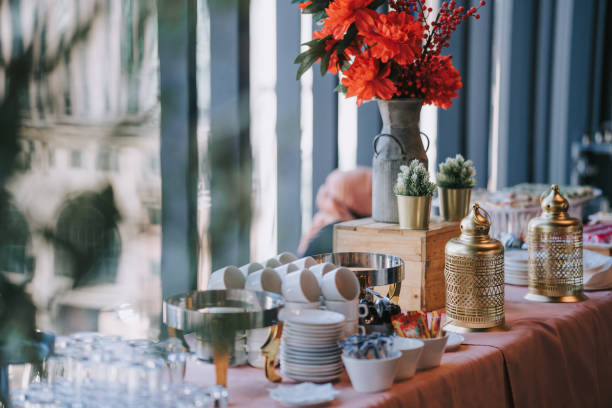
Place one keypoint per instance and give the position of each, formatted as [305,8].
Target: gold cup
[414,211]
[454,203]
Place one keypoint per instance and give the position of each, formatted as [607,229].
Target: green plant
[456,173]
[413,180]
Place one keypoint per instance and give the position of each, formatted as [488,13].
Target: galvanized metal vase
[398,143]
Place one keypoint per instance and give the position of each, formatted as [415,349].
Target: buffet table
[553,355]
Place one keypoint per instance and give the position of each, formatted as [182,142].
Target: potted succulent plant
[414,190]
[455,181]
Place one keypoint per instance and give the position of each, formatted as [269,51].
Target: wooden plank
[356,241]
[451,121]
[542,90]
[515,59]
[436,225]
[368,126]
[572,81]
[288,153]
[477,84]
[325,129]
[229,152]
[179,154]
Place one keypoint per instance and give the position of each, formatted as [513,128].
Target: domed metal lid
[552,201]
[477,222]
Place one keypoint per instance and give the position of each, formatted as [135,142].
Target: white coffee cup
[351,309]
[271,263]
[250,268]
[301,286]
[304,263]
[229,277]
[340,284]
[264,279]
[321,269]
[286,257]
[285,269]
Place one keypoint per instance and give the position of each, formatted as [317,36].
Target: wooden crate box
[422,252]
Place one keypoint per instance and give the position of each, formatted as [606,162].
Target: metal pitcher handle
[428,142]
[375,142]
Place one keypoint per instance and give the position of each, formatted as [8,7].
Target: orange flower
[367,79]
[396,36]
[437,81]
[443,83]
[342,13]
[303,5]
[334,61]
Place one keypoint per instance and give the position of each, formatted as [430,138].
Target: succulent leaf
[456,173]
[413,180]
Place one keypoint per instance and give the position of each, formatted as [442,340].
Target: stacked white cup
[302,282]
[300,286]
[340,288]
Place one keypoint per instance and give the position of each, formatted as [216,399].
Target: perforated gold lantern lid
[555,252]
[474,274]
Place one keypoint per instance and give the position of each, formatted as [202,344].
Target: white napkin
[597,270]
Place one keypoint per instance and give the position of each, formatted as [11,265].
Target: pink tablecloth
[553,355]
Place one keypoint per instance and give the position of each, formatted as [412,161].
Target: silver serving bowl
[218,318]
[371,269]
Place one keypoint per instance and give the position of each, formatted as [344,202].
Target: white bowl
[373,375]
[411,350]
[432,352]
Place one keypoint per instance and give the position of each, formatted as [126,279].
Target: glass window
[78,210]
[76,158]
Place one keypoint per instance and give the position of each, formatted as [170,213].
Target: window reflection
[15,262]
[82,208]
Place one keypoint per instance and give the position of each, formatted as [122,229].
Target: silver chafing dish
[216,317]
[371,269]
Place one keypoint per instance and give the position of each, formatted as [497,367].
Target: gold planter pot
[414,211]
[454,203]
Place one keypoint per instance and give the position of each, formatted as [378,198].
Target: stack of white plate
[309,346]
[515,267]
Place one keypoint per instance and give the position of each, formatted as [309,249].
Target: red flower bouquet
[386,55]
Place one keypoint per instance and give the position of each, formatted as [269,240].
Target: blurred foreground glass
[82,211]
[92,370]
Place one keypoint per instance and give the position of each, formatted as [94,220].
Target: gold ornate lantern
[555,252]
[474,272]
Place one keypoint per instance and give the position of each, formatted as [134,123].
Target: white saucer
[312,348]
[321,336]
[318,379]
[308,352]
[310,362]
[311,317]
[311,370]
